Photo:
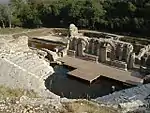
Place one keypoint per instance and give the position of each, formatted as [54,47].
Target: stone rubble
[128,99]
[30,105]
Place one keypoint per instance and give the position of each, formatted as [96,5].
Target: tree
[111,15]
[9,15]
[3,15]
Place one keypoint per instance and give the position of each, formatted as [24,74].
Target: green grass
[6,92]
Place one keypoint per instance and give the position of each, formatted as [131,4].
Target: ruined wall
[110,51]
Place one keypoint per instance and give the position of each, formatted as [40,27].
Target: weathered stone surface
[130,105]
[40,101]
[128,99]
[143,51]
[21,67]
[132,61]
[52,56]
[25,104]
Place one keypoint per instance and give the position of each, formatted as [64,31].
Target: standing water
[64,86]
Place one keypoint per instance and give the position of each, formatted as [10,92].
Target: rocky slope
[132,99]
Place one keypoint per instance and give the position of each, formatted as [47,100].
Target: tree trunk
[10,24]
[3,23]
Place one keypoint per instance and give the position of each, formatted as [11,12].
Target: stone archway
[81,47]
[107,51]
[96,47]
[111,50]
[91,46]
[72,44]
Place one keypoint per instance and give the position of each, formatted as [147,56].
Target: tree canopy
[126,16]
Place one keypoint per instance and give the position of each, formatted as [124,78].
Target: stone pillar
[70,44]
[76,46]
[96,48]
[112,55]
[80,50]
[148,62]
[129,51]
[143,61]
[93,48]
[117,51]
[124,53]
[99,53]
[87,48]
[131,61]
[120,52]
[90,47]
[103,54]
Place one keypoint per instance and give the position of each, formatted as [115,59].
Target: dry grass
[6,92]
[86,107]
[12,31]
[81,106]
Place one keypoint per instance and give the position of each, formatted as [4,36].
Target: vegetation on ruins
[126,16]
[6,92]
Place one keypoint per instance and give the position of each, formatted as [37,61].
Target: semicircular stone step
[30,63]
[22,59]
[40,70]
[18,56]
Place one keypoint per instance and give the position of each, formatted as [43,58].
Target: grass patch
[86,107]
[6,92]
[12,30]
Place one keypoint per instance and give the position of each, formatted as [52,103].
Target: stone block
[119,64]
[71,53]
[91,57]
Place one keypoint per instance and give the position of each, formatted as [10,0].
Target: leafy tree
[130,16]
[3,15]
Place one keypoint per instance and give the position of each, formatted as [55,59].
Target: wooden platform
[90,71]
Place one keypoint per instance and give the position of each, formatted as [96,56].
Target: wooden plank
[90,71]
[90,77]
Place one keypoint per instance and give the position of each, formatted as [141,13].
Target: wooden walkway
[90,71]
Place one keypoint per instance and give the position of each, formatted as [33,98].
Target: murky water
[60,84]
